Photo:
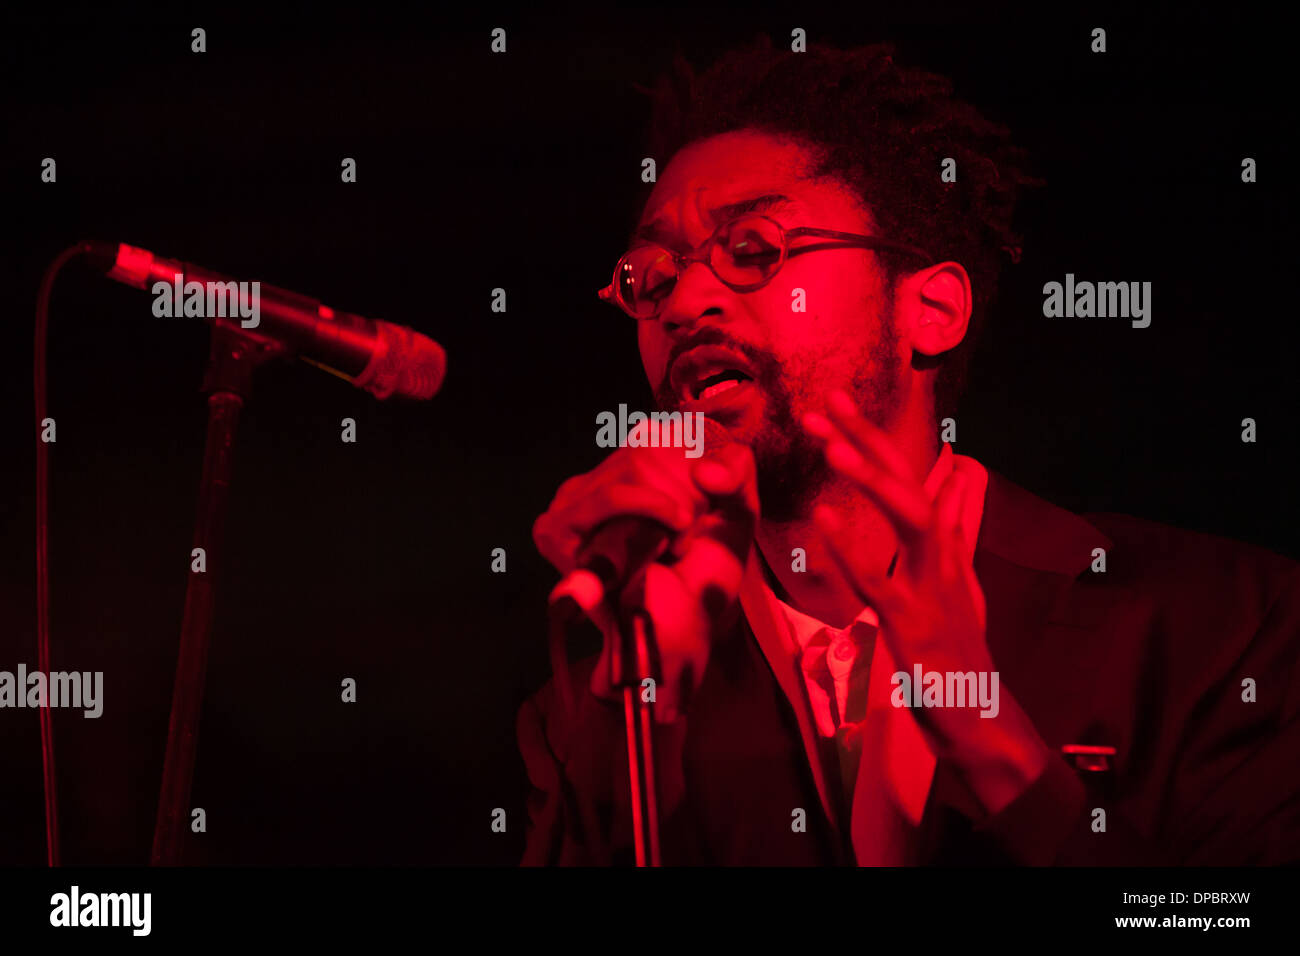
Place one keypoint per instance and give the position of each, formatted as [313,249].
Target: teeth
[694,387]
[720,387]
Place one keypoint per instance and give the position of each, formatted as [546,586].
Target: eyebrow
[658,231]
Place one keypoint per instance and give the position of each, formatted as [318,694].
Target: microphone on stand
[610,564]
[617,551]
[612,559]
[383,358]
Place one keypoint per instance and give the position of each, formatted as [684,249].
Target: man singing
[873,650]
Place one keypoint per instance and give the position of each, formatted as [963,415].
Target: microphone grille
[404,363]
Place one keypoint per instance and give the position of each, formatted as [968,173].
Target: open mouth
[723,381]
[707,371]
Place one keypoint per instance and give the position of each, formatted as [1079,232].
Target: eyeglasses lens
[747,252]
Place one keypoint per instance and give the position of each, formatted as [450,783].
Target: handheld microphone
[617,550]
[383,358]
[610,563]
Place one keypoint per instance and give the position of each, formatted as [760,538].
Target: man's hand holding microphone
[699,512]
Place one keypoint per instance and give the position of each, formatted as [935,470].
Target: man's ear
[934,305]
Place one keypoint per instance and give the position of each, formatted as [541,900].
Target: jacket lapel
[894,774]
[779,646]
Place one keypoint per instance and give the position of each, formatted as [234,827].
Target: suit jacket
[1153,656]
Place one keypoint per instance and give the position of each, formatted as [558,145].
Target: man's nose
[697,294]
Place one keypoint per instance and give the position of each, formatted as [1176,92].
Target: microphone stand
[630,662]
[232,357]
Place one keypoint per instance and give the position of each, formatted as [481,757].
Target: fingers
[869,440]
[709,561]
[927,528]
[559,532]
[651,483]
[690,594]
[862,452]
[680,648]
[908,511]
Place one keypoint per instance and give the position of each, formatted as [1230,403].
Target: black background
[372,560]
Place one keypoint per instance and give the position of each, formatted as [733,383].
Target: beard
[791,464]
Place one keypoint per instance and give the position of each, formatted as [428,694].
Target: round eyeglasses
[745,254]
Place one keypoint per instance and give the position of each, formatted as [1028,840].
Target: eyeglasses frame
[844,240]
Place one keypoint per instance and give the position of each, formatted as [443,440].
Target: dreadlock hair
[880,129]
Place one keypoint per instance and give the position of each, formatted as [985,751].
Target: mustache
[764,364]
